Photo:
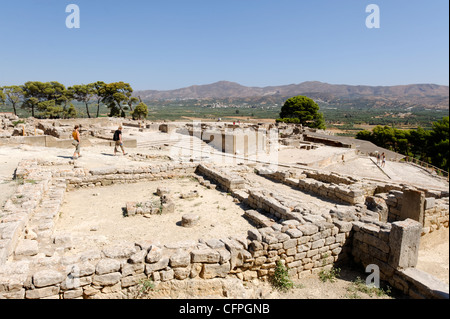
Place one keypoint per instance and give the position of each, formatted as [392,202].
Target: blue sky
[171,44]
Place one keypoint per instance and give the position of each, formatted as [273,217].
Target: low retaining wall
[331,186]
[428,207]
[228,181]
[394,249]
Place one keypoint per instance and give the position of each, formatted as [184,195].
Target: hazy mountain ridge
[426,95]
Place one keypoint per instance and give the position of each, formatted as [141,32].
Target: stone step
[259,218]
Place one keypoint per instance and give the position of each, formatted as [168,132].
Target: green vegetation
[11,94]
[141,111]
[114,95]
[2,97]
[52,100]
[360,286]
[302,110]
[82,93]
[329,274]
[15,123]
[430,146]
[146,286]
[281,279]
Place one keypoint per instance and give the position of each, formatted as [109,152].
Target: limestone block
[85,268]
[181,273]
[161,264]
[138,257]
[180,259]
[73,294]
[27,247]
[294,233]
[210,271]
[132,269]
[107,279]
[168,206]
[430,202]
[281,237]
[330,240]
[167,275]
[269,239]
[318,243]
[404,241]
[308,229]
[131,208]
[42,292]
[46,278]
[205,256]
[106,266]
[291,243]
[378,205]
[154,254]
[413,203]
[160,191]
[124,250]
[190,220]
[428,285]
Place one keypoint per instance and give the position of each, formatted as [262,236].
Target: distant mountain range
[423,95]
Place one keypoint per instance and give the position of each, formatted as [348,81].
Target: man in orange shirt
[76,142]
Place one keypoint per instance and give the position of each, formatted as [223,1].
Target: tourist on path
[76,142]
[118,139]
[383,160]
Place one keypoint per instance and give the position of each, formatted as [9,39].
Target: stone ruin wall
[306,241]
[429,207]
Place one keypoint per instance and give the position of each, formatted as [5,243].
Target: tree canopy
[430,146]
[302,110]
[114,95]
[83,93]
[53,99]
[46,97]
[2,96]
[141,111]
[13,94]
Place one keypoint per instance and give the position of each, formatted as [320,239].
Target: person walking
[118,139]
[383,160]
[76,142]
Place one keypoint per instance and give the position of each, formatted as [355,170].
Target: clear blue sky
[170,44]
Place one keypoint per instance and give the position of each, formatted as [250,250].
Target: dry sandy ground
[434,254]
[95,215]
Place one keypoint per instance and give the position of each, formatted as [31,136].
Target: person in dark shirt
[118,139]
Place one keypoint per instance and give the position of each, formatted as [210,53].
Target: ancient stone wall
[429,207]
[228,181]
[306,242]
[331,186]
[432,212]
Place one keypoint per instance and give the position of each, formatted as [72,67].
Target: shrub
[281,279]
